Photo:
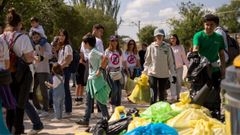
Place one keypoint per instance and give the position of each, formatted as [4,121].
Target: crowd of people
[36,66]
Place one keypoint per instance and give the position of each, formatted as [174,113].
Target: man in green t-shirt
[211,45]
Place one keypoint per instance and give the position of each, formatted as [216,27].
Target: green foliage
[55,14]
[228,15]
[146,34]
[189,23]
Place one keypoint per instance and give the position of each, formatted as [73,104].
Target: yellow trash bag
[129,86]
[141,93]
[184,103]
[196,122]
[39,94]
[136,122]
[119,112]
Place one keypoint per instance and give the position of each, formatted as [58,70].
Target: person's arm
[184,57]
[148,60]
[67,60]
[103,65]
[171,62]
[27,52]
[222,60]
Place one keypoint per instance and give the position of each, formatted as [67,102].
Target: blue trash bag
[153,129]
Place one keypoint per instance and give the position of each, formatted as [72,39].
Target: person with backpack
[6,97]
[21,55]
[65,57]
[211,45]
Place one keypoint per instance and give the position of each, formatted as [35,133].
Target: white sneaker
[55,119]
[66,115]
[33,132]
[43,114]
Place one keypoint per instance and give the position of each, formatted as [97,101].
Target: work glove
[174,79]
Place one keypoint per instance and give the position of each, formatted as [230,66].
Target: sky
[154,12]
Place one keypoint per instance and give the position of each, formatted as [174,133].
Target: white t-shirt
[4,53]
[131,59]
[22,45]
[114,58]
[63,53]
[99,45]
[56,81]
[84,51]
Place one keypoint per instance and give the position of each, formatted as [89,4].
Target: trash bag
[159,112]
[141,93]
[116,127]
[101,127]
[119,113]
[196,122]
[153,129]
[137,122]
[185,103]
[129,86]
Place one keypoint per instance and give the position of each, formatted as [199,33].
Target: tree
[108,7]
[228,15]
[146,34]
[189,23]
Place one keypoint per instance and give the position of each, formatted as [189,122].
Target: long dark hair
[177,42]
[65,33]
[110,47]
[134,47]
[12,19]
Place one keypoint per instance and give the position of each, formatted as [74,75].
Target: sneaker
[83,122]
[43,114]
[34,132]
[66,115]
[55,120]
[78,103]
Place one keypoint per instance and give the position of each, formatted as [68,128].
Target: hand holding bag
[117,75]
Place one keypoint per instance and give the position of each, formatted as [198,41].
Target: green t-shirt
[209,46]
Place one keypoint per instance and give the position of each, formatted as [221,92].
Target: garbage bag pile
[162,118]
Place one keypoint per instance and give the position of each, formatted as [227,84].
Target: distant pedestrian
[58,91]
[158,62]
[97,88]
[131,59]
[180,60]
[65,56]
[141,54]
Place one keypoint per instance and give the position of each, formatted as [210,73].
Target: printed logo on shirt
[115,59]
[131,59]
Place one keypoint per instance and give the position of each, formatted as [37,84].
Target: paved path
[67,125]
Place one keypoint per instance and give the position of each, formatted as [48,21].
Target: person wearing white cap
[158,61]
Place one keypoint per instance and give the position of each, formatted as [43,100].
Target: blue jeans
[3,127]
[33,116]
[89,108]
[68,97]
[116,93]
[58,100]
[58,106]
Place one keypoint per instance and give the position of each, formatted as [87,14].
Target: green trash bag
[159,112]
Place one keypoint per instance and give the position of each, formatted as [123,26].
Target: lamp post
[138,24]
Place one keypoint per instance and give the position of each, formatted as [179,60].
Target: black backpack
[74,64]
[233,48]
